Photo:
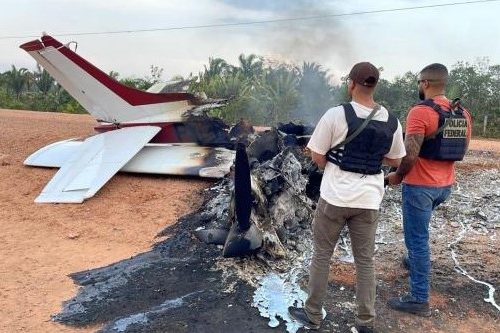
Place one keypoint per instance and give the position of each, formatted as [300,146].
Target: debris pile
[280,207]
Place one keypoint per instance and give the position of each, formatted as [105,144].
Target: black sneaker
[405,262]
[299,314]
[365,329]
[407,304]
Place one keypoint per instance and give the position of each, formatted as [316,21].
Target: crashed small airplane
[138,131]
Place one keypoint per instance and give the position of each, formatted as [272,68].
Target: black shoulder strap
[350,114]
[439,110]
[392,122]
[349,109]
[430,103]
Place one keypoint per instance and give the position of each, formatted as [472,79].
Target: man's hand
[393,178]
[319,159]
[413,143]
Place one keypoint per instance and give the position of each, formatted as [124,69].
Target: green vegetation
[266,93]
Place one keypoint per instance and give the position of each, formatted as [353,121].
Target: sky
[399,41]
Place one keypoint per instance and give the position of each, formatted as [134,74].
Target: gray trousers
[328,222]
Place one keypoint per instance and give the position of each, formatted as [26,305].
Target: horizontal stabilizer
[93,163]
[55,154]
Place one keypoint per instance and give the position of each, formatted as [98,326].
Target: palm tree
[209,80]
[17,80]
[251,66]
[114,75]
[278,94]
[43,80]
[216,67]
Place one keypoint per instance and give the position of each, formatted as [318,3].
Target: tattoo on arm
[413,143]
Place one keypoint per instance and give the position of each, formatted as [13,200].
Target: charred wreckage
[246,250]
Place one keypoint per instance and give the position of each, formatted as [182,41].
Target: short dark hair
[435,71]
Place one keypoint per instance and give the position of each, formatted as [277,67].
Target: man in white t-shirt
[350,143]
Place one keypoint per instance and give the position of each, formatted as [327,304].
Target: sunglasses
[428,80]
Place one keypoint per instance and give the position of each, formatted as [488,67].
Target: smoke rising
[317,41]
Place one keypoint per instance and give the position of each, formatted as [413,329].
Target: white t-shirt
[343,188]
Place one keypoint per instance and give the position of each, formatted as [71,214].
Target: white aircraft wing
[94,163]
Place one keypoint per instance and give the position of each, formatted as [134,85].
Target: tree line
[267,92]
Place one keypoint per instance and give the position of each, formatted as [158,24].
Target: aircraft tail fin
[102,96]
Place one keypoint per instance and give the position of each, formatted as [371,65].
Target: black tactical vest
[450,141]
[364,154]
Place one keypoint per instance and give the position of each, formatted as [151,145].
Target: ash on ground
[184,285]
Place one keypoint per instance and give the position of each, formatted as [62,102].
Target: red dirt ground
[41,244]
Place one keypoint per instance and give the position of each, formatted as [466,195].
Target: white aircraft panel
[54,155]
[94,162]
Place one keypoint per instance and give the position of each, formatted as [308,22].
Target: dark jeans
[418,204]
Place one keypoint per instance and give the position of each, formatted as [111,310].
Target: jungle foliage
[268,92]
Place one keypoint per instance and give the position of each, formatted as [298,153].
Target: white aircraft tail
[102,96]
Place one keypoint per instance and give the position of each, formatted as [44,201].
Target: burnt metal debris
[184,284]
[244,237]
[270,194]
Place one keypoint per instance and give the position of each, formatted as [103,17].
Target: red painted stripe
[130,95]
[34,45]
[169,133]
